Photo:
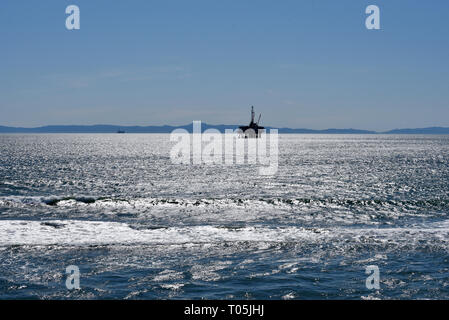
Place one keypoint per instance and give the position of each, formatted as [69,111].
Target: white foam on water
[76,232]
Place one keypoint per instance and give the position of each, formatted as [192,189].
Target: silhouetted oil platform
[252,130]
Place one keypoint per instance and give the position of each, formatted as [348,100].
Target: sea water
[139,226]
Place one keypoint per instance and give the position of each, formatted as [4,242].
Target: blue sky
[304,64]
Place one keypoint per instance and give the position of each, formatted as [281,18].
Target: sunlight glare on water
[139,226]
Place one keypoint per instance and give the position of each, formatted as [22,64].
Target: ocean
[138,226]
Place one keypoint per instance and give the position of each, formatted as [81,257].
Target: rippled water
[138,226]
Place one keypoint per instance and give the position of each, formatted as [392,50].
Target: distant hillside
[431,130]
[106,128]
[167,129]
[326,131]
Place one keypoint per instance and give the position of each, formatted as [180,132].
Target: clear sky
[304,64]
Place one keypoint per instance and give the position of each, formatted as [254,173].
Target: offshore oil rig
[252,130]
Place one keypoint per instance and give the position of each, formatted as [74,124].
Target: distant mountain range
[221,128]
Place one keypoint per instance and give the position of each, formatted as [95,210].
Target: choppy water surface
[139,226]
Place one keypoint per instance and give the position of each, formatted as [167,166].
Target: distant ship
[252,130]
[120,131]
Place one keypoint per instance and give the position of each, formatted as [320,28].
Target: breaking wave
[14,201]
[78,232]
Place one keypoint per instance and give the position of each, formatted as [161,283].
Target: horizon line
[113,127]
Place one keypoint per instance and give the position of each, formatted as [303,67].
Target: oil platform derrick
[253,130]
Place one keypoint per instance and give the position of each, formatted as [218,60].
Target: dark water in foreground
[138,226]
